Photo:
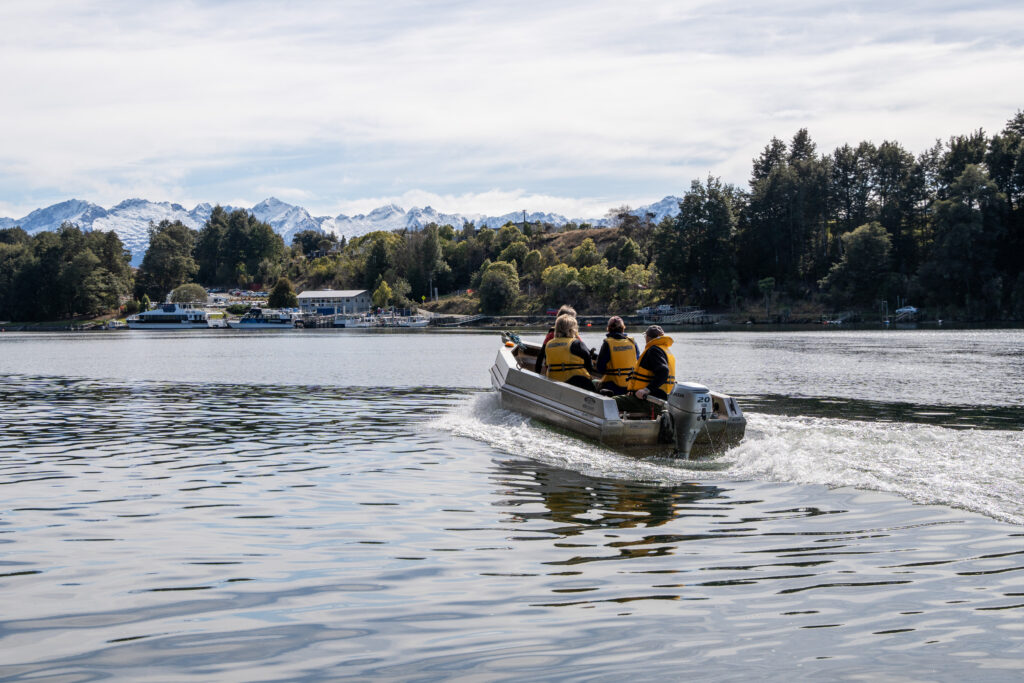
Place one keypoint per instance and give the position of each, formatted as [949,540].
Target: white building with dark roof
[334,301]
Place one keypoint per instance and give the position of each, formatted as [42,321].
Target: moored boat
[350,321]
[170,316]
[265,319]
[413,321]
[693,422]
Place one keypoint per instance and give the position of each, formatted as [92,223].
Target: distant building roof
[331,293]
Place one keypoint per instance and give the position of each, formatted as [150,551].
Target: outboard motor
[690,407]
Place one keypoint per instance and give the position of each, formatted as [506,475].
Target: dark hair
[615,324]
[654,331]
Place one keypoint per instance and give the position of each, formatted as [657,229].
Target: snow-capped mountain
[390,217]
[72,211]
[666,208]
[495,222]
[287,220]
[131,219]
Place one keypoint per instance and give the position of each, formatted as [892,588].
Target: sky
[574,107]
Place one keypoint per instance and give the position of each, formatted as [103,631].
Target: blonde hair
[566,326]
[567,310]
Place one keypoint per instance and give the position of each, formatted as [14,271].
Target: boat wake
[482,419]
[976,470]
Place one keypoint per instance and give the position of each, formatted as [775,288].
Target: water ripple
[191,531]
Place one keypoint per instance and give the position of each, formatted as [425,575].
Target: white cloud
[342,102]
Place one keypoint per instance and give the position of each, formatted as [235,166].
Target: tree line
[60,274]
[847,229]
[861,225]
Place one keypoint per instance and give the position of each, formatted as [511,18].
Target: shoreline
[589,324]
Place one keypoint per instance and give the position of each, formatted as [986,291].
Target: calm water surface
[321,505]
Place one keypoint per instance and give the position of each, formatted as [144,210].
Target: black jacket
[656,362]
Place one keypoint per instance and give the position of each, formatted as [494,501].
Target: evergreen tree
[860,277]
[499,287]
[694,253]
[585,255]
[382,295]
[190,292]
[168,261]
[968,226]
[283,295]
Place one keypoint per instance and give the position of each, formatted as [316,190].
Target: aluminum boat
[693,422]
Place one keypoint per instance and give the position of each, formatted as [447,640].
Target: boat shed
[334,301]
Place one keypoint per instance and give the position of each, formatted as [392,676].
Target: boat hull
[352,323]
[702,422]
[238,325]
[200,325]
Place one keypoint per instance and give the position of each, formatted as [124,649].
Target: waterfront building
[334,301]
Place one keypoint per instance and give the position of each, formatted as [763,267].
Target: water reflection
[189,531]
[577,499]
[713,537]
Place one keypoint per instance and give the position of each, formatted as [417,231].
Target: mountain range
[131,219]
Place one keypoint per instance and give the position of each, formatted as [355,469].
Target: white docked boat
[349,321]
[412,321]
[392,320]
[265,319]
[694,421]
[171,316]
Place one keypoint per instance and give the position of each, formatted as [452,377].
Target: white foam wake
[977,470]
[482,419]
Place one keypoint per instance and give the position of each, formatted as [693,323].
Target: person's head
[567,310]
[615,324]
[566,326]
[653,332]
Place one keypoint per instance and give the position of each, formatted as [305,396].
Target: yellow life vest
[641,377]
[562,364]
[622,358]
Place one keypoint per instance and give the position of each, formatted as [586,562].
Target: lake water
[329,505]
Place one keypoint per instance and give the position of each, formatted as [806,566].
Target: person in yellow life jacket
[654,373]
[566,356]
[566,309]
[616,359]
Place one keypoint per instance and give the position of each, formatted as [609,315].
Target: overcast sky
[490,107]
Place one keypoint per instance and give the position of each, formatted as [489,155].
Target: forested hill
[845,229]
[131,219]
